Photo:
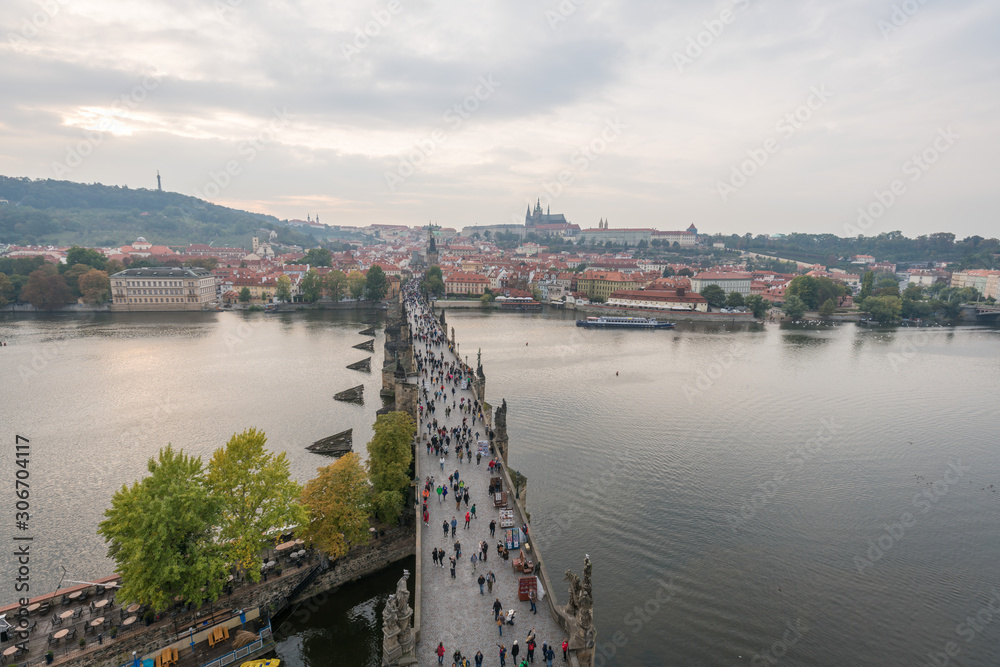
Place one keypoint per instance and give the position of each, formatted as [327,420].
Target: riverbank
[668,315]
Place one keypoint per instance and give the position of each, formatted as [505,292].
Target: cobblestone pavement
[453,611]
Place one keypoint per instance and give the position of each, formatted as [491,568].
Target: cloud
[224,66]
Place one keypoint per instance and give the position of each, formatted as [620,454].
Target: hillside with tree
[973,252]
[50,212]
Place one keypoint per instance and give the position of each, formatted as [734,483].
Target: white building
[162,288]
[729,282]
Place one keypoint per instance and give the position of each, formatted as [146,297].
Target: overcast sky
[648,113]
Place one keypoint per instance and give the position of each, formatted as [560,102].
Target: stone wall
[381,552]
[407,399]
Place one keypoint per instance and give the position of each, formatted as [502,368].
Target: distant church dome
[141,240]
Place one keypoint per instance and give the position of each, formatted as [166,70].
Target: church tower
[432,251]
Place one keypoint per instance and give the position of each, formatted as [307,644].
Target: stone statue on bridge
[579,611]
[397,618]
[500,431]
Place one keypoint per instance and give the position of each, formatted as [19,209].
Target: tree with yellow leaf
[339,507]
[257,495]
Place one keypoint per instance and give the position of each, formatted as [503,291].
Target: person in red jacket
[565,647]
[440,653]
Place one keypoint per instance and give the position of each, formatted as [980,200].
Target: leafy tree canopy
[160,533]
[883,308]
[390,453]
[284,290]
[794,307]
[714,295]
[95,287]
[376,284]
[338,500]
[814,291]
[758,304]
[257,497]
[317,257]
[46,289]
[335,283]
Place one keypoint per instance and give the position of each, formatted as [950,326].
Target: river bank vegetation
[185,527]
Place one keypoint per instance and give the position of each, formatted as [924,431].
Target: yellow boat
[273,662]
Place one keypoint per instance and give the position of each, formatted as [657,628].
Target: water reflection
[342,627]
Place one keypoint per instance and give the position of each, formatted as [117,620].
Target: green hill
[66,213]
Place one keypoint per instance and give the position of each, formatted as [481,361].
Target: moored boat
[617,322]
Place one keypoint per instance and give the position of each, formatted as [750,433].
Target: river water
[758,495]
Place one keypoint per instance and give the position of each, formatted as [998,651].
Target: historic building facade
[162,289]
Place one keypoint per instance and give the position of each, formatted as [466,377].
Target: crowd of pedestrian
[440,382]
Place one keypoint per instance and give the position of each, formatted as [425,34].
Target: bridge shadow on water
[342,627]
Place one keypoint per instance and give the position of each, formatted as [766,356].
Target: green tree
[814,291]
[335,283]
[714,295]
[390,453]
[257,497]
[735,300]
[356,284]
[949,309]
[245,295]
[113,266]
[867,284]
[667,272]
[433,282]
[826,310]
[913,291]
[758,304]
[339,506]
[95,286]
[311,286]
[161,535]
[916,309]
[794,307]
[886,286]
[284,289]
[7,290]
[318,257]
[46,289]
[72,277]
[376,284]
[685,272]
[92,258]
[884,308]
